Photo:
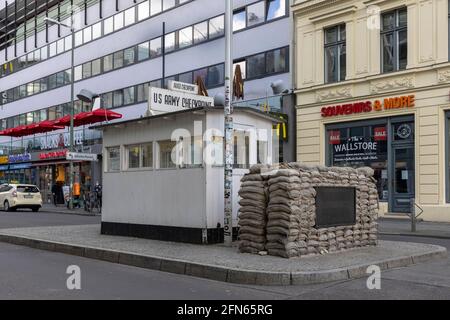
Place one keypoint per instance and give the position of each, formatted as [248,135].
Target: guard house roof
[261,114]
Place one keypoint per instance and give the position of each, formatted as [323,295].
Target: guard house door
[402,168]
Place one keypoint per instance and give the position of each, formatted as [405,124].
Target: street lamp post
[72,97]
[228,126]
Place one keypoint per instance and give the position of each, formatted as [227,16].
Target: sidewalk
[391,226]
[218,262]
[64,210]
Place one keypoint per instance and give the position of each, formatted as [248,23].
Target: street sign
[81,156]
[183,87]
[162,101]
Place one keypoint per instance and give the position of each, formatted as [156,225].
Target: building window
[335,54]
[108,63]
[239,20]
[216,27]
[256,13]
[113,154]
[277,60]
[256,65]
[143,51]
[134,154]
[147,155]
[275,9]
[155,7]
[200,32]
[143,10]
[185,37]
[170,42]
[155,47]
[241,149]
[394,40]
[167,154]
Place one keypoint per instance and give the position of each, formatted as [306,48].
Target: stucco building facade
[372,82]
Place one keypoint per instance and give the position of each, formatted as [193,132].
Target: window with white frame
[241,149]
[113,157]
[167,154]
[335,54]
[140,155]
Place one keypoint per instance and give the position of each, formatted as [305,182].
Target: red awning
[83,118]
[43,127]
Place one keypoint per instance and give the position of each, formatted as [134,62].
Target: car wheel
[35,209]
[6,206]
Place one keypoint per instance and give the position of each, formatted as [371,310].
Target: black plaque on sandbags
[335,206]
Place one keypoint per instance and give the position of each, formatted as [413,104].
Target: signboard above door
[162,101]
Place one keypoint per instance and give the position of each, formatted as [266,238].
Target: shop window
[403,131]
[167,154]
[394,41]
[276,9]
[335,54]
[216,27]
[200,32]
[360,146]
[256,13]
[113,156]
[239,19]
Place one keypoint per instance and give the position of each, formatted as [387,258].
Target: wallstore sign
[369,106]
[19,158]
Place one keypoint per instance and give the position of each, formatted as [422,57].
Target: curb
[218,273]
[420,235]
[69,213]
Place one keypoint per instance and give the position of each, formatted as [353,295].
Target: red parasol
[83,118]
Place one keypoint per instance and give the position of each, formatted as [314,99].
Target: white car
[15,196]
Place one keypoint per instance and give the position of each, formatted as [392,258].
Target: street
[27,273]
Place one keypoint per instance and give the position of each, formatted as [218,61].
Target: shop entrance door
[403,186]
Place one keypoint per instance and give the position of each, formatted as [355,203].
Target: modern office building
[122,47]
[373,85]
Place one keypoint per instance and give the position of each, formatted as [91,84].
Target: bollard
[413,215]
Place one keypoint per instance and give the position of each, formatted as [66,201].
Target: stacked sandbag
[252,211]
[284,214]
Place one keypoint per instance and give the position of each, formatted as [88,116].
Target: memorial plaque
[335,206]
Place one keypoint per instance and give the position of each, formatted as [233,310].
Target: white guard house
[164,175]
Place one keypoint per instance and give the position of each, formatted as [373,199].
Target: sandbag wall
[290,213]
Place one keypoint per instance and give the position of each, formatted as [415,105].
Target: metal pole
[413,215]
[72,108]
[228,110]
[163,51]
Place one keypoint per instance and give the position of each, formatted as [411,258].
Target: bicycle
[92,203]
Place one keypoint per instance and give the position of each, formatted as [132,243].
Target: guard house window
[394,40]
[335,54]
[241,149]
[167,154]
[113,154]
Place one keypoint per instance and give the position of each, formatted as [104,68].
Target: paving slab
[219,262]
